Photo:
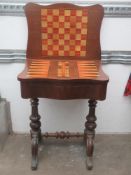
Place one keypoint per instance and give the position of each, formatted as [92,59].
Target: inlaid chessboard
[64,32]
[62,69]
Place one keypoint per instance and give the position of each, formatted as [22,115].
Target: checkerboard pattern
[64,32]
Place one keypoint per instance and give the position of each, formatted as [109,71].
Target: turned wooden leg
[35,132]
[89,132]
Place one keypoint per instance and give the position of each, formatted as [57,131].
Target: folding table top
[62,69]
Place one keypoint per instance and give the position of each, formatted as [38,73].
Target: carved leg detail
[90,126]
[35,132]
[34,145]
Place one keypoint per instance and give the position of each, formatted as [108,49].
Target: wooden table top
[62,69]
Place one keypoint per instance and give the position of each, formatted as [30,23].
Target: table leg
[89,132]
[35,132]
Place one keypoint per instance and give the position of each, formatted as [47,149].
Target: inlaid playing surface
[64,32]
[87,69]
[62,69]
[38,69]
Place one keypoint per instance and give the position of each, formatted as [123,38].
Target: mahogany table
[63,61]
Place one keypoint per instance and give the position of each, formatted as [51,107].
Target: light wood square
[83,53]
[83,42]
[61,18]
[72,42]
[50,42]
[66,48]
[44,12]
[67,24]
[44,23]
[56,24]
[79,13]
[67,12]
[61,31]
[44,47]
[78,48]
[67,36]
[72,53]
[56,36]
[49,18]
[78,36]
[44,36]
[61,42]
[50,53]
[61,52]
[84,19]
[84,31]
[56,12]
[78,25]
[50,30]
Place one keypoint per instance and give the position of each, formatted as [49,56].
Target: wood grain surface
[62,69]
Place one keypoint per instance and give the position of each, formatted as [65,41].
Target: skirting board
[112,9]
[19,56]
[97,133]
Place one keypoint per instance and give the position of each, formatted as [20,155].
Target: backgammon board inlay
[87,69]
[62,69]
[38,69]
